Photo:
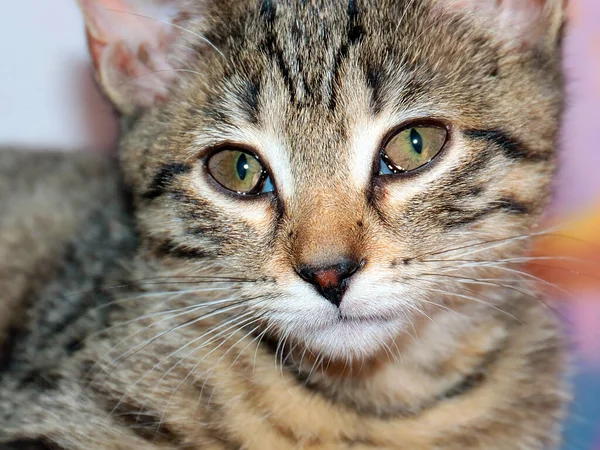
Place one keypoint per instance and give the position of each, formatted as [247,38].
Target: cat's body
[203,319]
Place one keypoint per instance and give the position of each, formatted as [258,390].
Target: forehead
[310,56]
[313,73]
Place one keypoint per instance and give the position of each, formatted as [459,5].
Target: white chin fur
[343,340]
[311,322]
[354,340]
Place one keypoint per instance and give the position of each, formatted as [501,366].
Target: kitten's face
[328,96]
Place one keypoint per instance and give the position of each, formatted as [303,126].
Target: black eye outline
[382,157]
[265,172]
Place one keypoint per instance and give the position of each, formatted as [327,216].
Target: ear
[132,44]
[527,23]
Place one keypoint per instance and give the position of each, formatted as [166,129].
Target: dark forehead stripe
[267,10]
[273,50]
[511,147]
[355,30]
[244,92]
[305,79]
[352,8]
[375,78]
[250,96]
[354,35]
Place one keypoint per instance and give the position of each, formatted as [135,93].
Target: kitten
[317,241]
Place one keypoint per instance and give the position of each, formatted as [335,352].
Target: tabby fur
[158,311]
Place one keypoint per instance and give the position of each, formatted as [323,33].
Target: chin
[351,333]
[349,340]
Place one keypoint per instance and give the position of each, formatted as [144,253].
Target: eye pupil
[242,166]
[239,171]
[416,140]
[411,148]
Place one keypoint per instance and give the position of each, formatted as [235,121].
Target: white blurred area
[47,93]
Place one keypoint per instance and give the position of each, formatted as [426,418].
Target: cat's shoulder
[24,171]
[64,219]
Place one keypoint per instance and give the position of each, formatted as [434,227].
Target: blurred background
[48,99]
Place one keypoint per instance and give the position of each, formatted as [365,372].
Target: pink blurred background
[48,99]
[578,187]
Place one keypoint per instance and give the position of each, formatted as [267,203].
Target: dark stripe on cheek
[454,216]
[513,206]
[40,380]
[146,424]
[30,444]
[511,148]
[469,383]
[8,342]
[164,178]
[174,250]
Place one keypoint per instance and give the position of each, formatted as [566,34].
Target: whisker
[475,299]
[257,339]
[522,273]
[207,376]
[236,327]
[312,369]
[518,260]
[174,295]
[189,322]
[239,354]
[184,309]
[414,308]
[139,283]
[153,324]
[285,338]
[237,323]
[549,232]
[467,280]
[460,278]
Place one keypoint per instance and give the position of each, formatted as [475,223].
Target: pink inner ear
[130,43]
[522,21]
[510,4]
[132,21]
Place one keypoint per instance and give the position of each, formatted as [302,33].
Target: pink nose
[327,279]
[331,281]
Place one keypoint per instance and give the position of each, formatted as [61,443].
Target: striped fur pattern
[176,318]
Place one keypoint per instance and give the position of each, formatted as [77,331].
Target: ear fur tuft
[131,44]
[526,23]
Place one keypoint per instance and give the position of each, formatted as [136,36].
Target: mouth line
[372,320]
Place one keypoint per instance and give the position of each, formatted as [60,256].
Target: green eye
[412,148]
[237,170]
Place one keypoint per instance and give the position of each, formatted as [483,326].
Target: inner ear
[132,44]
[524,23]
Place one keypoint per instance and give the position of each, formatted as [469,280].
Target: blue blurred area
[583,427]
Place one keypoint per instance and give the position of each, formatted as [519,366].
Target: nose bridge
[327,227]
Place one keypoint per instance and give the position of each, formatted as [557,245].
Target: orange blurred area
[568,256]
